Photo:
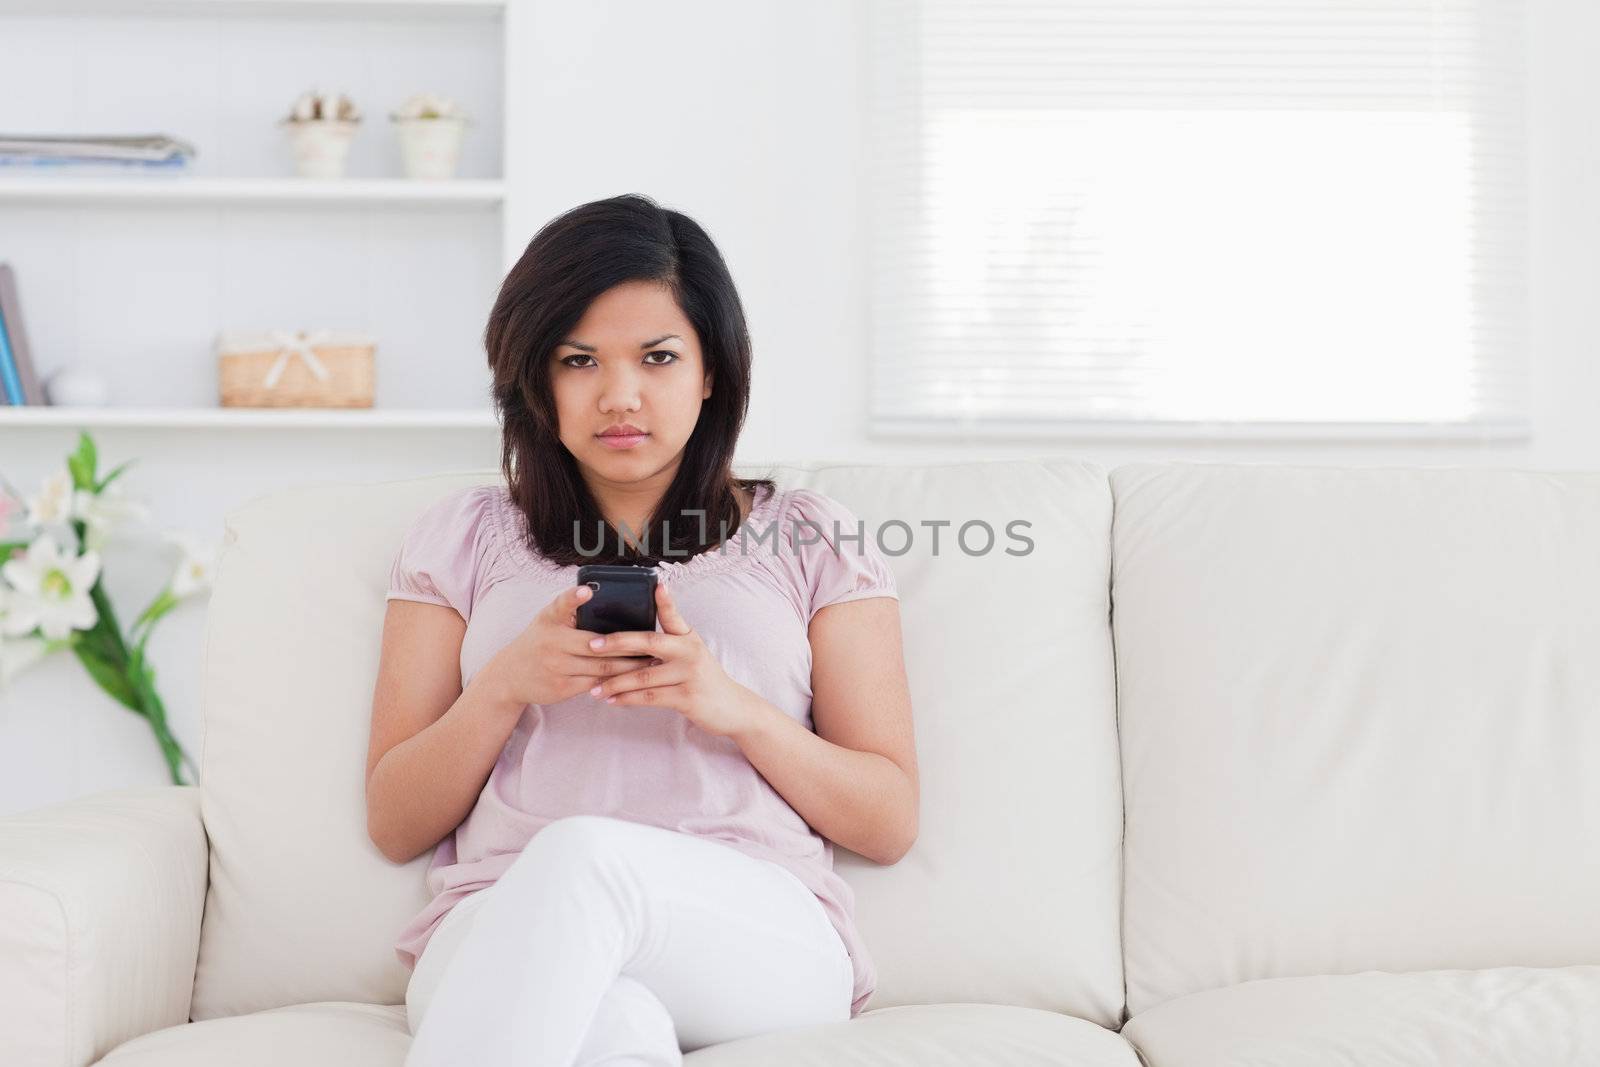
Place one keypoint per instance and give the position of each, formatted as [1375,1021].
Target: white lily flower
[105,513]
[49,590]
[199,565]
[53,502]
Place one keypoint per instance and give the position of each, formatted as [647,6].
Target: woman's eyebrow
[592,348]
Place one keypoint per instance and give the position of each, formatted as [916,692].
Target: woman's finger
[600,667]
[563,609]
[632,643]
[667,612]
[656,676]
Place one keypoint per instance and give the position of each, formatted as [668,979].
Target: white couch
[1323,788]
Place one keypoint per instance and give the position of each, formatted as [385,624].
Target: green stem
[132,682]
[142,676]
[162,604]
[170,748]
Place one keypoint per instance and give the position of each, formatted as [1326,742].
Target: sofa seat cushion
[325,1034]
[343,1034]
[931,1035]
[1454,1018]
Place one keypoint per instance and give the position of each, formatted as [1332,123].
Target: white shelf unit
[485,9]
[186,189]
[255,418]
[135,274]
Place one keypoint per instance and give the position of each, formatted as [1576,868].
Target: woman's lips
[622,440]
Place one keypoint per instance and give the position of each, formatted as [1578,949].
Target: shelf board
[294,8]
[190,190]
[247,418]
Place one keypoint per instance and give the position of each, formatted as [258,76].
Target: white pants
[613,941]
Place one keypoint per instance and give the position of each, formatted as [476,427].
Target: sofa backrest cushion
[1010,894]
[301,906]
[1357,711]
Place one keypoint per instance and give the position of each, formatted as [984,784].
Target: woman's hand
[687,678]
[549,661]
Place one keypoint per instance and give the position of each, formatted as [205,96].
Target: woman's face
[632,359]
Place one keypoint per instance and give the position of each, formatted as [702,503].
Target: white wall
[750,122]
[746,117]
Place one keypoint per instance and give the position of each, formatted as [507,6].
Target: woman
[633,831]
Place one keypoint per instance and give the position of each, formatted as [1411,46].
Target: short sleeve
[446,549]
[836,552]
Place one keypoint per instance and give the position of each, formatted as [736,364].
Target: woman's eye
[567,360]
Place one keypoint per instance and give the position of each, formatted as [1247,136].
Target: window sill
[1499,430]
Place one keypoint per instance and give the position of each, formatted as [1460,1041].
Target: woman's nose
[620,392]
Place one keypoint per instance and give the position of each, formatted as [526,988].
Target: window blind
[1299,215]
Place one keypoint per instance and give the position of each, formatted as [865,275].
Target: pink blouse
[750,599]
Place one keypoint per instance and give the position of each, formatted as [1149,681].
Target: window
[1279,216]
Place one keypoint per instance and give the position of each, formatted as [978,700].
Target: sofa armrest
[100,904]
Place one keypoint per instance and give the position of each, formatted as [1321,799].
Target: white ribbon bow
[296,344]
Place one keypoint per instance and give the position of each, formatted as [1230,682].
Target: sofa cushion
[301,906]
[1010,895]
[329,1034]
[934,1035]
[940,1035]
[100,909]
[1508,1015]
[1357,720]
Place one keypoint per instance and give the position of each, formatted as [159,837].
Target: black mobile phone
[624,598]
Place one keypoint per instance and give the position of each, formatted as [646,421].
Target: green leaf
[103,641]
[143,680]
[113,475]
[108,617]
[82,462]
[109,677]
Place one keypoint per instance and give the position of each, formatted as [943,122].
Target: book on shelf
[94,150]
[38,164]
[21,384]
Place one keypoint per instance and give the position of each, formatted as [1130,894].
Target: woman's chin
[606,457]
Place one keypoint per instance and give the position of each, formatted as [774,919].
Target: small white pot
[77,387]
[321,146]
[431,148]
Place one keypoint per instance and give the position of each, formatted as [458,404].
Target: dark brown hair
[572,260]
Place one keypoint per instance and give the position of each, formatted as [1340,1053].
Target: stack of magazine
[88,151]
[18,382]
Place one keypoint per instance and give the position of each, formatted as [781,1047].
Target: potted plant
[320,127]
[431,129]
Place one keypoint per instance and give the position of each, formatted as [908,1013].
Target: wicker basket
[272,370]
